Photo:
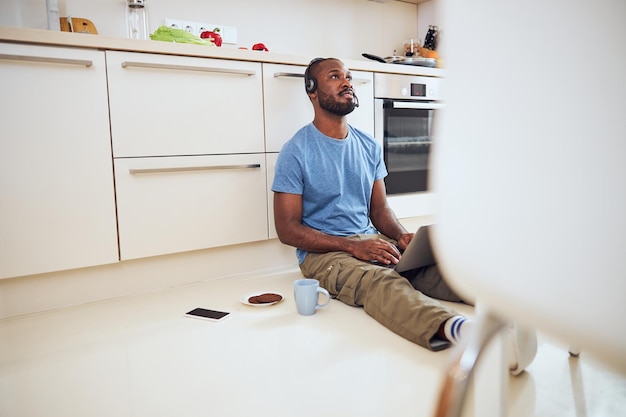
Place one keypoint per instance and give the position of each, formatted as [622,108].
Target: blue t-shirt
[335,178]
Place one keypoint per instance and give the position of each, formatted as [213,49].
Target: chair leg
[459,373]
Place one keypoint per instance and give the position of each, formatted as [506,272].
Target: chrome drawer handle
[127,64]
[288,75]
[297,75]
[49,60]
[191,169]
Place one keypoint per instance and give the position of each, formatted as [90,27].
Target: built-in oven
[405,107]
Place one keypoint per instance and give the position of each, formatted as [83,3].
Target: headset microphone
[356,99]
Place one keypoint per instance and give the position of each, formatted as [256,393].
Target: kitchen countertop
[67,39]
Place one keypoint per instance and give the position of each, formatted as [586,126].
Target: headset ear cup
[311,85]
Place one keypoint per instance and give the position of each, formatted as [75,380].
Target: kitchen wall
[343,28]
[426,16]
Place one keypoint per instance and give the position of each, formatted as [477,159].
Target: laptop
[418,254]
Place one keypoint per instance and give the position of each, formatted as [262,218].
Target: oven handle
[414,105]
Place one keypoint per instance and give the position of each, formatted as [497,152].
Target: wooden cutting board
[79,25]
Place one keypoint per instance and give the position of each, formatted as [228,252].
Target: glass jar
[137,19]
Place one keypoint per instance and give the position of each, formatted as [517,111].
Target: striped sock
[454,328]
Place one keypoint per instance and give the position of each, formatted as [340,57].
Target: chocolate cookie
[265,298]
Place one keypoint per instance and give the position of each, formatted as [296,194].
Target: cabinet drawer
[176,204]
[288,108]
[170,105]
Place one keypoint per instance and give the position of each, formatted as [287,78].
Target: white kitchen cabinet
[189,149]
[56,175]
[288,108]
[176,204]
[174,105]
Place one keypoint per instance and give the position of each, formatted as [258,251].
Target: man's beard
[328,103]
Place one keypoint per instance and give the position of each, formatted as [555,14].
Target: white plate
[244,300]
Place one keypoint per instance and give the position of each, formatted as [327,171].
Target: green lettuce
[167,34]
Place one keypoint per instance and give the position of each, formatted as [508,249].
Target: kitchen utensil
[430,41]
[411,48]
[374,57]
[396,59]
[78,25]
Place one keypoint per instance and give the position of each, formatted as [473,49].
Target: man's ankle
[455,328]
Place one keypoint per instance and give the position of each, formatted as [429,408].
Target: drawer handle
[288,75]
[190,169]
[29,58]
[296,75]
[127,64]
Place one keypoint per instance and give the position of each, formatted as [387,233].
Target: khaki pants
[402,304]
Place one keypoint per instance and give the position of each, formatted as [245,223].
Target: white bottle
[52,8]
[137,19]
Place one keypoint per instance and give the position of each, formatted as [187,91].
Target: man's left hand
[404,240]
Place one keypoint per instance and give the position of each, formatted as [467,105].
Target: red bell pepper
[259,47]
[214,35]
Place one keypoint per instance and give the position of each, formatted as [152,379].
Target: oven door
[404,130]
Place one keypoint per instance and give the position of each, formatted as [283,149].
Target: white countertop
[54,38]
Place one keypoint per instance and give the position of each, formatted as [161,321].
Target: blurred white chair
[529,172]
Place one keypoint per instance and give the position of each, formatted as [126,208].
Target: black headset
[310,82]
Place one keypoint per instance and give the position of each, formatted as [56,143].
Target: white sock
[455,327]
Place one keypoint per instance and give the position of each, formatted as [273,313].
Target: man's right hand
[376,249]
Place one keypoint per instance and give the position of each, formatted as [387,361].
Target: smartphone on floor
[207,314]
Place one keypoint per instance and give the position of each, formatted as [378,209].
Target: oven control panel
[405,87]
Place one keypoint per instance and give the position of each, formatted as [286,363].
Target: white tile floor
[139,357]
